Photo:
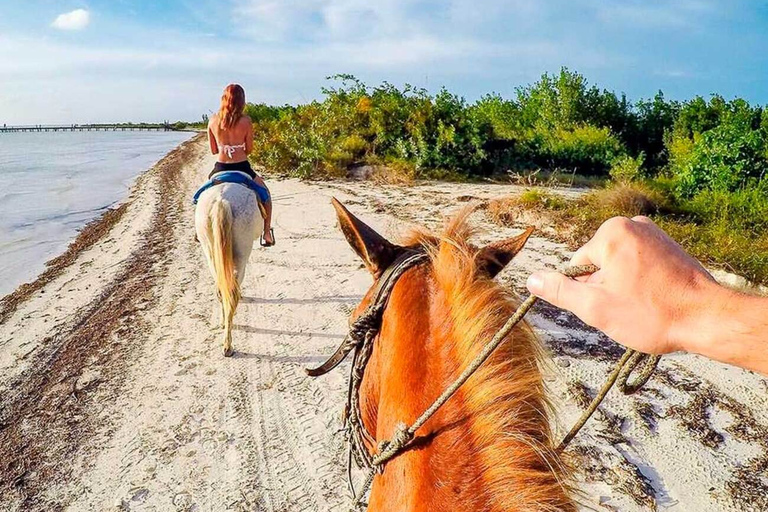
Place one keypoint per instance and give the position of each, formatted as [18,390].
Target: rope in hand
[630,360]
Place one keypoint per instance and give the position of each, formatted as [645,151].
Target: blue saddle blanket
[233,177]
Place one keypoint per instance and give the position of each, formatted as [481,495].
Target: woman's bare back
[233,144]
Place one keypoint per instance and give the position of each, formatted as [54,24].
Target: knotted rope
[403,434]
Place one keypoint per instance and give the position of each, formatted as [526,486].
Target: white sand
[168,424]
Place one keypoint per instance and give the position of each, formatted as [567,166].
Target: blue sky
[149,60]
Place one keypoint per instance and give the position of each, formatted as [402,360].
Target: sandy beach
[114,394]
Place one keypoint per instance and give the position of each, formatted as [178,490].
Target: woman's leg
[268,223]
[267,211]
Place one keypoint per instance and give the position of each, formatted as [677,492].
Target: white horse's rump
[227,221]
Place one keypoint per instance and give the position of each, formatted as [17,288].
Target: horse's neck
[412,366]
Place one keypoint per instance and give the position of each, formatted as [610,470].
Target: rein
[361,337]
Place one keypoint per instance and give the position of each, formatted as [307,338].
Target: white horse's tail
[223,261]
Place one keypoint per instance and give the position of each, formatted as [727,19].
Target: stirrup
[264,243]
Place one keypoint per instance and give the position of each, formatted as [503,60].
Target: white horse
[228,219]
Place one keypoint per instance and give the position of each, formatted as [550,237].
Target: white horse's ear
[492,258]
[376,251]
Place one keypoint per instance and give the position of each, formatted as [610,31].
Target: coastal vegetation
[698,167]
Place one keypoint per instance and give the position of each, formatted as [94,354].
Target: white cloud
[663,14]
[74,20]
[327,20]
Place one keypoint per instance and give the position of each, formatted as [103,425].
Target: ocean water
[53,184]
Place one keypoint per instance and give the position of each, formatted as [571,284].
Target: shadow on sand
[277,332]
[300,360]
[341,299]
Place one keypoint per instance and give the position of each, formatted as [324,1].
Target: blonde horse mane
[504,401]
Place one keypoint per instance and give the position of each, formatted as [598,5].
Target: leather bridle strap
[371,318]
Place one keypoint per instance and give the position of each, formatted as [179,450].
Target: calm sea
[52,184]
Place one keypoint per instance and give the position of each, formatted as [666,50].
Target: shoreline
[49,374]
[88,236]
[91,234]
[62,185]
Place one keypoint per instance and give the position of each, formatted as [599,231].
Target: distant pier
[127,127]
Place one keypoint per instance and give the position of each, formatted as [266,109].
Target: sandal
[264,243]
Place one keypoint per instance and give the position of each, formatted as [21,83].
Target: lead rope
[403,433]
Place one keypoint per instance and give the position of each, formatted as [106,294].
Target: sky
[77,61]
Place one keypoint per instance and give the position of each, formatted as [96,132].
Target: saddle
[238,178]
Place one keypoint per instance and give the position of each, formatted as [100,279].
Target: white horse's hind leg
[228,351]
[226,219]
[221,323]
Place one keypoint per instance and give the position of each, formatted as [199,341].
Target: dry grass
[627,200]
[574,221]
[555,178]
[393,174]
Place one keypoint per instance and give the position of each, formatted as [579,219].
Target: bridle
[366,328]
[360,338]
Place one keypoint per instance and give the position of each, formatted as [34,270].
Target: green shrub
[726,158]
[536,197]
[354,124]
[745,209]
[559,123]
[589,149]
[679,149]
[764,122]
[649,130]
[499,117]
[354,144]
[626,169]
[260,112]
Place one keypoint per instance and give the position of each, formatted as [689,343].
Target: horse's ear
[492,258]
[376,251]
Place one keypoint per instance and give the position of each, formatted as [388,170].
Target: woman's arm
[212,138]
[651,296]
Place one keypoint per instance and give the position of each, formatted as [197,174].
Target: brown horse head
[489,448]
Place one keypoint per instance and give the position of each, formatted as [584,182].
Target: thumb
[561,291]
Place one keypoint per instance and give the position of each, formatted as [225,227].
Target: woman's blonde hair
[232,105]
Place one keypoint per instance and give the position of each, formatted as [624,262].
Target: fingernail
[535,284]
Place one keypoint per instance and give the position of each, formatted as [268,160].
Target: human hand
[648,295]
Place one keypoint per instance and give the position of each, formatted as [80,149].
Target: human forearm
[732,328]
[649,295]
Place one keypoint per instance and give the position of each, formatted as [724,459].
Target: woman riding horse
[230,135]
[231,206]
